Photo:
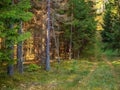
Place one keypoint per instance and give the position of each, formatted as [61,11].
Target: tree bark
[48,38]
[19,52]
[10,68]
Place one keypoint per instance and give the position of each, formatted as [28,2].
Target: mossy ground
[68,75]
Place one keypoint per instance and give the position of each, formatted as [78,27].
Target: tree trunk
[19,52]
[10,68]
[48,38]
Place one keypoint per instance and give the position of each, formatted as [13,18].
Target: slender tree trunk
[70,46]
[10,68]
[19,52]
[78,54]
[71,32]
[58,47]
[48,38]
[56,42]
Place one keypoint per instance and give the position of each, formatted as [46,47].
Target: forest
[59,45]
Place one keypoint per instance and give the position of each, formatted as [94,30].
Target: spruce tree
[107,33]
[83,24]
[111,26]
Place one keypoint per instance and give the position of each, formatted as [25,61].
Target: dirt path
[86,79]
[115,75]
[113,70]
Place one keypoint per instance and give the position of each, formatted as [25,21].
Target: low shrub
[33,67]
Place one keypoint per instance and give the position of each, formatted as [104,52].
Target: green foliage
[33,67]
[110,53]
[83,25]
[23,37]
[16,12]
[74,67]
[11,15]
[111,27]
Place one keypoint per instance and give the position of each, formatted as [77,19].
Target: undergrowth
[69,75]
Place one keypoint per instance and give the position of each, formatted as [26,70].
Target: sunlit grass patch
[116,65]
[117,62]
[68,75]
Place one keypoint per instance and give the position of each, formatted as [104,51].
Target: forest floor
[68,75]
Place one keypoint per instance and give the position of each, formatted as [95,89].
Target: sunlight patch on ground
[71,78]
[116,62]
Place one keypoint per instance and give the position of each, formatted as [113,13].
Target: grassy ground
[69,75]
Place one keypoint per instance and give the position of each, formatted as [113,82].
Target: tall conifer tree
[111,26]
[10,15]
[83,26]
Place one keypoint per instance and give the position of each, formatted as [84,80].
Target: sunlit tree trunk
[48,38]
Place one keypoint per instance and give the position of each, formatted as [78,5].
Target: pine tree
[10,15]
